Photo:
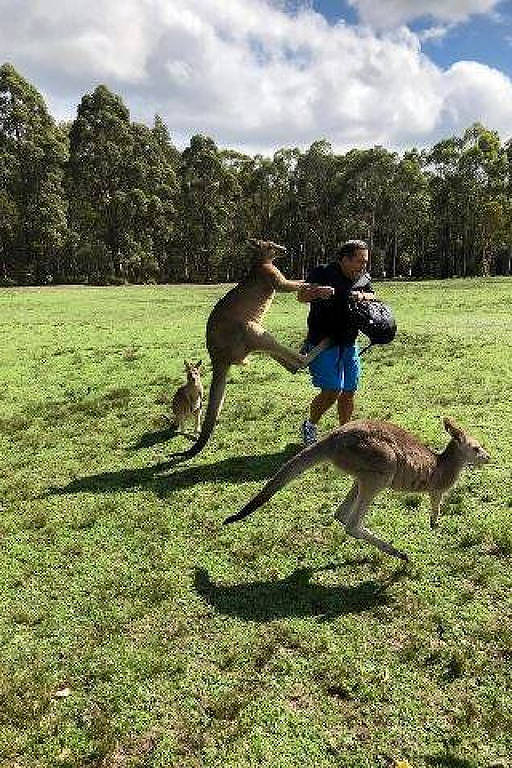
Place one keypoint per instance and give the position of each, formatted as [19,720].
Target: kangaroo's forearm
[289,286]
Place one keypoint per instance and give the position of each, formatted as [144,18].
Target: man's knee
[331,395]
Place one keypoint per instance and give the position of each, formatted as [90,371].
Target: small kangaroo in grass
[234,328]
[188,399]
[379,455]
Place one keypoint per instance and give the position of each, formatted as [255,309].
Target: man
[336,370]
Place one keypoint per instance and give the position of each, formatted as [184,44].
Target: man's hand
[361,296]
[310,292]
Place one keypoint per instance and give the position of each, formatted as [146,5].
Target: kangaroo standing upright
[234,329]
[379,455]
[188,399]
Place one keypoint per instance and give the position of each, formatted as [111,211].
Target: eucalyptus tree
[366,189]
[208,195]
[101,146]
[483,167]
[409,215]
[32,200]
[317,185]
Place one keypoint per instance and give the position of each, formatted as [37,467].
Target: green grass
[276,642]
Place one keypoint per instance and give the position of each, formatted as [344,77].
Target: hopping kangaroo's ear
[187,365]
[198,364]
[453,429]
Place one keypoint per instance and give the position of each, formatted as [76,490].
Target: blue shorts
[336,368]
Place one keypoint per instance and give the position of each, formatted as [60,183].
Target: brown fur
[188,399]
[234,329]
[379,455]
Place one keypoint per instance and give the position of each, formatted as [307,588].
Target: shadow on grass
[149,439]
[233,470]
[448,761]
[293,596]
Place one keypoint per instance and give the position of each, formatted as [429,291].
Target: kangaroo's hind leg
[262,341]
[355,524]
[315,351]
[197,416]
[343,511]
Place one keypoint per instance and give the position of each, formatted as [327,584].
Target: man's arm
[314,287]
[310,292]
[365,293]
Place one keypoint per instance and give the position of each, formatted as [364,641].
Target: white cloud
[391,13]
[435,33]
[249,74]
[474,91]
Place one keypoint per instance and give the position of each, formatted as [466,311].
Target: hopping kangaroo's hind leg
[355,524]
[262,341]
[343,511]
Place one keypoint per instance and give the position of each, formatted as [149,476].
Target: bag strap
[365,349]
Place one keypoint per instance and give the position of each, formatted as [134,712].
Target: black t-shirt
[331,317]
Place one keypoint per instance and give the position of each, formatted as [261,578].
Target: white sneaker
[309,432]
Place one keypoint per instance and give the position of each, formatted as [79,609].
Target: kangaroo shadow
[233,470]
[448,761]
[294,595]
[148,439]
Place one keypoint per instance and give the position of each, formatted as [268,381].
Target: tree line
[104,200]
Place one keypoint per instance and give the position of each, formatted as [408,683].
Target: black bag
[374,319]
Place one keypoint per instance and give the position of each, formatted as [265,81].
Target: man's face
[354,267]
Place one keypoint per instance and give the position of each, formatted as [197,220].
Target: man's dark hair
[350,248]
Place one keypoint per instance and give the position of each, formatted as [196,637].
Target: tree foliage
[105,199]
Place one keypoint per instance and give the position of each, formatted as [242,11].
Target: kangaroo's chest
[413,473]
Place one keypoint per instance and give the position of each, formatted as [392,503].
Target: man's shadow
[236,469]
[294,595]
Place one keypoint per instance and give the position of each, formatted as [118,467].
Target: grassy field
[135,630]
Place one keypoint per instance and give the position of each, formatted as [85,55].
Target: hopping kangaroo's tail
[314,454]
[215,400]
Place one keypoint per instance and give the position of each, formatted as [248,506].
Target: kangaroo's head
[193,371]
[265,250]
[471,450]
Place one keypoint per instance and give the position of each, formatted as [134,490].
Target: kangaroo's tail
[314,454]
[215,400]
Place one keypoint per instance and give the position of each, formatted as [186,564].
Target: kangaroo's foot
[384,546]
[324,344]
[298,365]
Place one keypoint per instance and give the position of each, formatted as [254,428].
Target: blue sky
[482,38]
[257,75]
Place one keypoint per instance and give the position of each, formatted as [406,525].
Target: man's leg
[351,374]
[345,406]
[322,402]
[327,376]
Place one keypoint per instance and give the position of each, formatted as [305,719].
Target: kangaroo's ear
[453,429]
[187,365]
[198,364]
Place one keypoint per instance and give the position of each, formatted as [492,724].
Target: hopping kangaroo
[188,399]
[379,455]
[234,329]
